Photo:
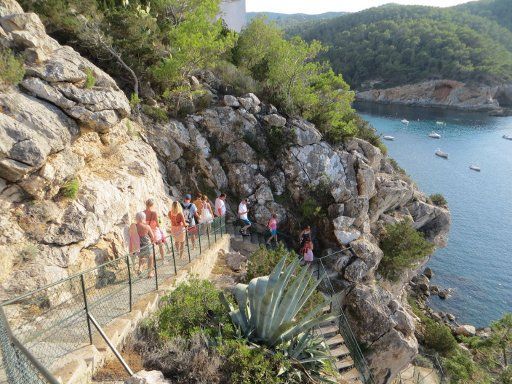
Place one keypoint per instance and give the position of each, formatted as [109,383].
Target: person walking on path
[308,253]
[272,226]
[243,212]
[304,238]
[190,214]
[220,205]
[178,227]
[152,220]
[207,212]
[141,237]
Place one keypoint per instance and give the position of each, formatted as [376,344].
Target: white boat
[434,135]
[474,168]
[405,121]
[440,123]
[507,137]
[390,138]
[442,154]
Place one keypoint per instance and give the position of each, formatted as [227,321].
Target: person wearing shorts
[272,226]
[243,215]
[153,221]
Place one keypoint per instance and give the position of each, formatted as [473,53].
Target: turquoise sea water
[477,263]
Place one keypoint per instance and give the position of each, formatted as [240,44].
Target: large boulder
[382,324]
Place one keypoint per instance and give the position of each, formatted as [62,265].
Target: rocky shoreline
[448,94]
[420,290]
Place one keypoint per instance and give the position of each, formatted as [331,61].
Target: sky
[320,6]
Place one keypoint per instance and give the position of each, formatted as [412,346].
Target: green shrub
[438,199]
[70,188]
[403,246]
[294,81]
[459,366]
[11,69]
[155,113]
[90,80]
[134,100]
[439,337]
[236,79]
[263,261]
[194,306]
[250,365]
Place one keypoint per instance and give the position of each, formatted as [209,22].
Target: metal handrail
[349,337]
[16,344]
[215,228]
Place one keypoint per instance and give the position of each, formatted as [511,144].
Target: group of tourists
[185,218]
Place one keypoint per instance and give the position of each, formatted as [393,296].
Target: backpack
[187,214]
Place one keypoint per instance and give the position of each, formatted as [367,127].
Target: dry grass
[113,370]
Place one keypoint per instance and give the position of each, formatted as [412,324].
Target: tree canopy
[396,44]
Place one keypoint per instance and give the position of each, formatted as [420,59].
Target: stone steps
[351,376]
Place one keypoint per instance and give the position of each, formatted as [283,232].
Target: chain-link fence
[53,321]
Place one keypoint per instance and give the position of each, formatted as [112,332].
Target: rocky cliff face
[54,129]
[443,93]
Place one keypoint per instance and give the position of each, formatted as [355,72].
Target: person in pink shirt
[308,253]
[272,226]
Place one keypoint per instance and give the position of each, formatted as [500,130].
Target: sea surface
[477,263]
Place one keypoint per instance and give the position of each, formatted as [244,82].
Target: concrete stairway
[339,351]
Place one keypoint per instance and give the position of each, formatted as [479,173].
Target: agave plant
[267,313]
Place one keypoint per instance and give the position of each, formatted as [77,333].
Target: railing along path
[41,327]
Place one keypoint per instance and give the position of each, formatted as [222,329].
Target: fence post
[128,264]
[214,230]
[86,307]
[199,237]
[188,246]
[154,266]
[208,227]
[173,255]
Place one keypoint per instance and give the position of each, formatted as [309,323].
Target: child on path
[308,253]
[272,226]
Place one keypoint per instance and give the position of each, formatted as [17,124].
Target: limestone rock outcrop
[443,93]
[53,130]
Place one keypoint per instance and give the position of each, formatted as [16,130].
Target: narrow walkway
[51,323]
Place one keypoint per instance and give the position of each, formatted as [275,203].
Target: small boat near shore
[475,168]
[442,154]
[434,135]
[440,123]
[390,138]
[507,137]
[405,121]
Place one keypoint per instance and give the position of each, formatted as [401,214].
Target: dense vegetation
[497,10]
[153,49]
[403,246]
[285,20]
[197,336]
[396,44]
[484,359]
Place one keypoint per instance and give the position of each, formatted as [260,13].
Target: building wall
[233,13]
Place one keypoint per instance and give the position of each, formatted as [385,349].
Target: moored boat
[440,123]
[507,137]
[405,121]
[434,135]
[390,138]
[475,168]
[442,154]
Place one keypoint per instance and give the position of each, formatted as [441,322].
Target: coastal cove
[477,260]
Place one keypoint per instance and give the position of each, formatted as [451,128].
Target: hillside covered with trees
[285,20]
[497,10]
[404,44]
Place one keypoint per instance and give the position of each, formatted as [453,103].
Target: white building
[233,13]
